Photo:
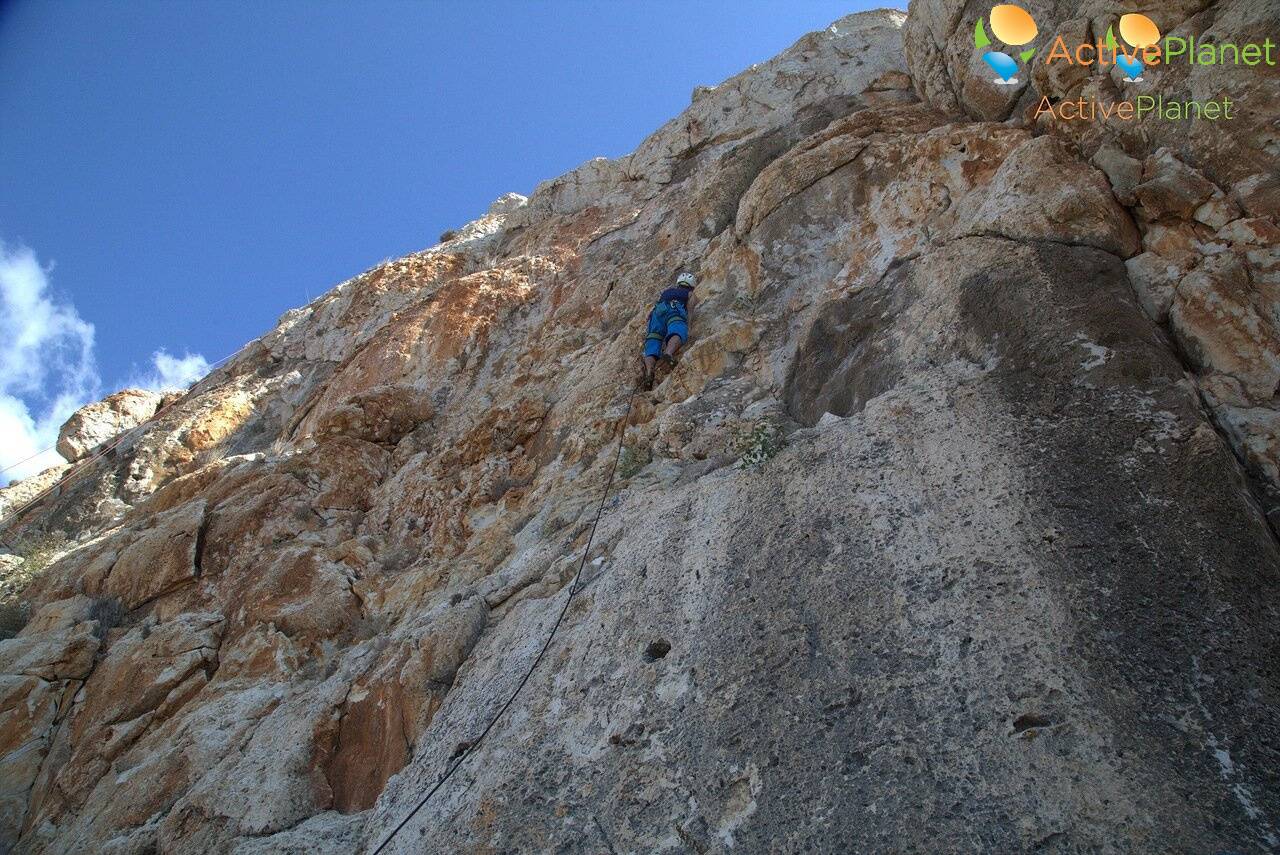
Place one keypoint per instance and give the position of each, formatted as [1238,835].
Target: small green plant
[758,443]
[37,551]
[633,459]
[447,235]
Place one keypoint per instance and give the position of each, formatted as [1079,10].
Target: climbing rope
[470,747]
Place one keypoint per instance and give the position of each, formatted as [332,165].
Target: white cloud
[169,372]
[48,369]
[22,440]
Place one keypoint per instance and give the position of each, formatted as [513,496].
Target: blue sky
[175,175]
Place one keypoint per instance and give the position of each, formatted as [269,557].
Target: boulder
[1170,188]
[52,654]
[1155,280]
[1124,172]
[381,414]
[160,559]
[1043,191]
[96,423]
[1214,318]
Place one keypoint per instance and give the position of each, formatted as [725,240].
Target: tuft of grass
[758,443]
[447,235]
[633,459]
[34,553]
[109,612]
[37,551]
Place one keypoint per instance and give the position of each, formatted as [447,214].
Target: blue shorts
[664,322]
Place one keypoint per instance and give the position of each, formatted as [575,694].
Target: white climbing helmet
[686,279]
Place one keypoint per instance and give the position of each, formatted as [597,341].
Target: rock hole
[656,650]
[1026,721]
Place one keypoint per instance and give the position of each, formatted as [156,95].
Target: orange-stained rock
[161,559]
[294,590]
[29,710]
[1170,188]
[57,654]
[40,672]
[1214,317]
[61,615]
[340,471]
[1044,191]
[382,414]
[146,676]
[388,708]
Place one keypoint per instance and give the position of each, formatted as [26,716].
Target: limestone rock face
[956,520]
[1205,269]
[94,424]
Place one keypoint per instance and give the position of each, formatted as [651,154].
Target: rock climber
[668,327]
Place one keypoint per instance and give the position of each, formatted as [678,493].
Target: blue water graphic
[1131,66]
[1003,64]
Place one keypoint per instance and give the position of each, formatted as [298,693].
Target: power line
[27,459]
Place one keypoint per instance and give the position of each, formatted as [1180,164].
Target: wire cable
[212,365]
[82,465]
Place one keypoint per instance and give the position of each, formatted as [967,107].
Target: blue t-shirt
[677,293]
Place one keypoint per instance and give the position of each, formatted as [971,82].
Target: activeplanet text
[1139,108]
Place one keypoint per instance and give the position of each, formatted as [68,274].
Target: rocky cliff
[950,531]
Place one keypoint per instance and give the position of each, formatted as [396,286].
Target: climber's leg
[677,332]
[652,347]
[652,350]
[644,380]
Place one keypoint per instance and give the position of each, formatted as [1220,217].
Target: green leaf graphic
[1111,39]
[1027,54]
[980,39]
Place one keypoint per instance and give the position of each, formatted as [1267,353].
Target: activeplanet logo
[1140,47]
[1013,26]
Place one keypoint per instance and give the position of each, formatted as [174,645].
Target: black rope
[573,589]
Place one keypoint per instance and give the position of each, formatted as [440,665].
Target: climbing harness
[665,313]
[469,747]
